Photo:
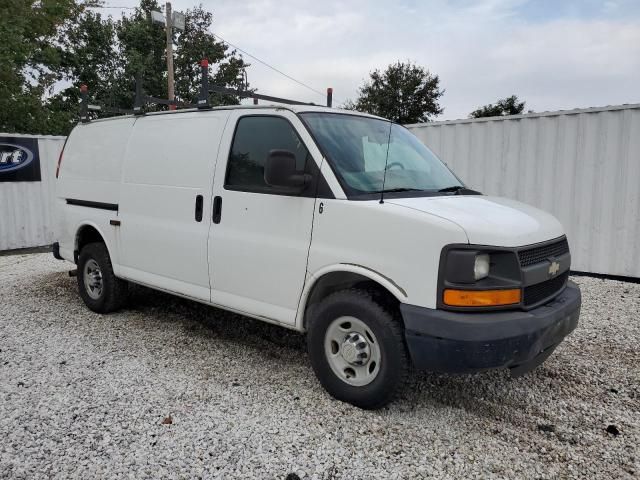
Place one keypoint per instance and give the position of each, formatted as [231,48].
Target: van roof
[292,108]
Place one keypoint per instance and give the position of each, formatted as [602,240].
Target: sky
[554,54]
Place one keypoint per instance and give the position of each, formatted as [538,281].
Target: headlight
[475,277]
[481,266]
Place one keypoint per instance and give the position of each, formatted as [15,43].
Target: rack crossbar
[249,94]
[164,101]
[99,108]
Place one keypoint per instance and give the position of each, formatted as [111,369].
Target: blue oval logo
[14,157]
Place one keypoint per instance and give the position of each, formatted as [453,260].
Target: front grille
[535,255]
[540,291]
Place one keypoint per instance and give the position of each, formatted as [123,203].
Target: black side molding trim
[86,203]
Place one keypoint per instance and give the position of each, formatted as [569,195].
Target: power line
[118,8]
[270,66]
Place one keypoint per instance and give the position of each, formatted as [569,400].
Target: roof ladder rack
[202,102]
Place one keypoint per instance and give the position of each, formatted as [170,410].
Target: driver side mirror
[280,172]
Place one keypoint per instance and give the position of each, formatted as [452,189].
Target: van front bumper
[459,342]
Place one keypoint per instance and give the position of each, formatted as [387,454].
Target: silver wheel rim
[92,279]
[352,351]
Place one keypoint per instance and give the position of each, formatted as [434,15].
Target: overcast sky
[555,54]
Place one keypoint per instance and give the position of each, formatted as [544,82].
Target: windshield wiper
[459,190]
[454,188]
[401,189]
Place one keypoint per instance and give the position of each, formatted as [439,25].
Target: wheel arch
[88,232]
[342,276]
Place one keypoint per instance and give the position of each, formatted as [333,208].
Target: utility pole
[169,30]
[172,21]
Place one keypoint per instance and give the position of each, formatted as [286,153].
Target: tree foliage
[507,106]
[404,93]
[30,60]
[197,42]
[50,48]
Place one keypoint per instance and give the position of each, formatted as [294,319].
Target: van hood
[489,220]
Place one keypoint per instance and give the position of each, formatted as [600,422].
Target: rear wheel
[356,346]
[100,289]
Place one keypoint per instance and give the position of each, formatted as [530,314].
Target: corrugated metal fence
[581,165]
[26,213]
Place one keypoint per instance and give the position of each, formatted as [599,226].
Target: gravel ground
[170,388]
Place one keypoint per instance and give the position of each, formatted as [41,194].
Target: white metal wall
[26,213]
[581,165]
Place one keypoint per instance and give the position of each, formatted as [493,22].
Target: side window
[254,138]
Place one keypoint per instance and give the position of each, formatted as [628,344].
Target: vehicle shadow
[476,392]
[199,318]
[479,393]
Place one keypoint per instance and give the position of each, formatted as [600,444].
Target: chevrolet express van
[335,223]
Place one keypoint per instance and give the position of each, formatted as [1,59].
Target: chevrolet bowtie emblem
[554,268]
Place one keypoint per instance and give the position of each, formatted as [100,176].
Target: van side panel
[92,162]
[169,162]
[90,173]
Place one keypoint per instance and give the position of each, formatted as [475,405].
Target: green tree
[507,106]
[30,60]
[142,46]
[50,48]
[404,93]
[142,51]
[89,57]
[196,43]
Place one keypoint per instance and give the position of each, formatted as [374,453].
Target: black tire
[389,334]
[114,291]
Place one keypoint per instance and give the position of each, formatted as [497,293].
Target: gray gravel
[171,388]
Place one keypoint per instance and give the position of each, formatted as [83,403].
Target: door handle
[217,209]
[199,203]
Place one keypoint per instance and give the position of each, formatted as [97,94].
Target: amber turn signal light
[481,298]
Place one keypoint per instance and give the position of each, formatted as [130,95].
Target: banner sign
[19,159]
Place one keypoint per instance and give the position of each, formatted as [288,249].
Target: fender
[388,283]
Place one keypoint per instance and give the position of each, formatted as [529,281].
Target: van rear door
[260,236]
[165,209]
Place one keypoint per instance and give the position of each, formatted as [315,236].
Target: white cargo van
[334,223]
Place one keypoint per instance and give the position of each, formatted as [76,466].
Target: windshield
[357,149]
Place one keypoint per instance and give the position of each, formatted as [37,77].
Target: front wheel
[100,289]
[357,350]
